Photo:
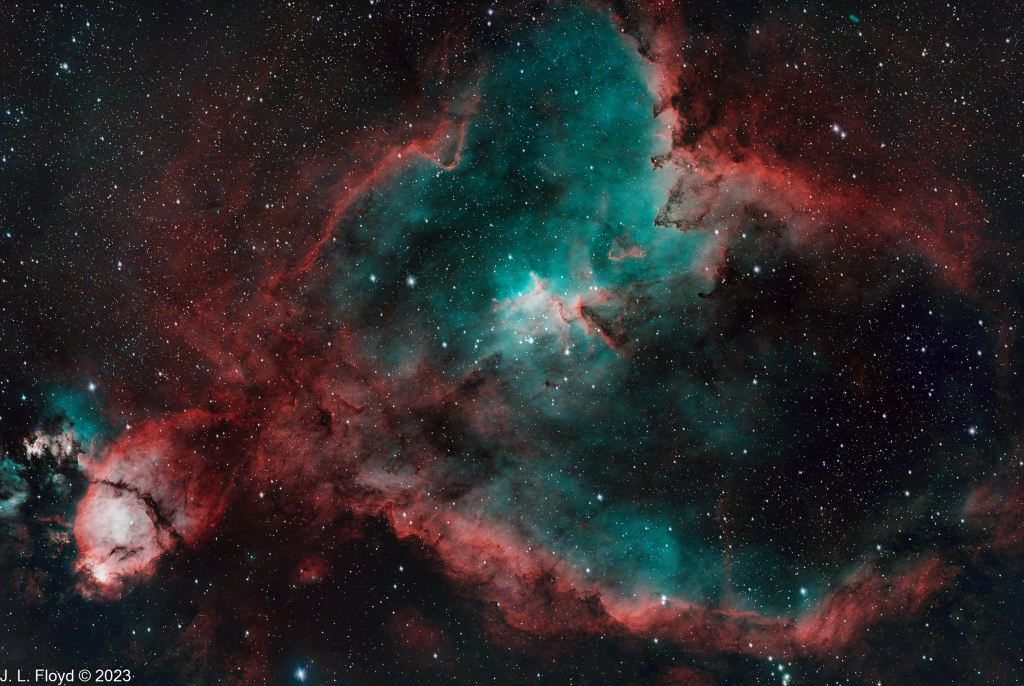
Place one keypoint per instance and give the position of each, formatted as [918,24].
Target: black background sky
[120,305]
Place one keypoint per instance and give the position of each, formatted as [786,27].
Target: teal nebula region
[553,188]
[655,415]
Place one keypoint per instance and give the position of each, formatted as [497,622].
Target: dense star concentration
[581,342]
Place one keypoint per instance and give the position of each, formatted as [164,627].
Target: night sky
[579,343]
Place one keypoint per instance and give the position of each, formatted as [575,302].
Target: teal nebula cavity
[537,258]
[83,411]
